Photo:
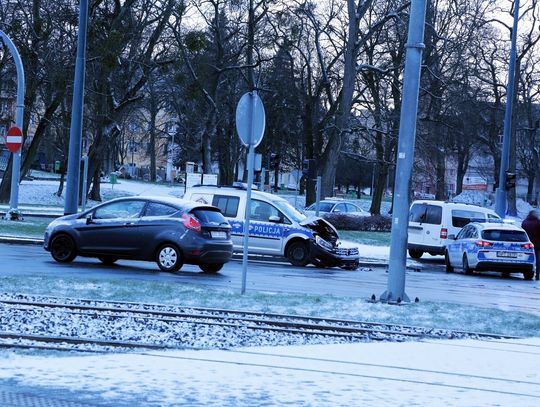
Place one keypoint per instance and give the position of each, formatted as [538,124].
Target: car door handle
[129,224]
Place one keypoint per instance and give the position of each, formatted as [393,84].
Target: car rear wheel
[415,254]
[466,268]
[169,258]
[298,254]
[211,268]
[449,267]
[108,260]
[63,248]
[528,275]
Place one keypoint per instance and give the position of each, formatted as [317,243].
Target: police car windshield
[289,211]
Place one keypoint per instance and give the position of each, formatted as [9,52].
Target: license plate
[218,234]
[507,254]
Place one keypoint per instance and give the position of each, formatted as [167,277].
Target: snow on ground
[482,198]
[433,373]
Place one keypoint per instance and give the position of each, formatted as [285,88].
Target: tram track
[110,325]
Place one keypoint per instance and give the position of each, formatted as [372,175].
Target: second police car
[277,228]
[494,246]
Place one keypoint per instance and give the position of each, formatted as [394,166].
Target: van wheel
[415,254]
[449,267]
[466,268]
[169,258]
[63,248]
[298,254]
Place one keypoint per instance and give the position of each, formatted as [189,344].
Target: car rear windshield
[423,213]
[207,215]
[505,235]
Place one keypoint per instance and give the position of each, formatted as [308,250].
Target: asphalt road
[429,284]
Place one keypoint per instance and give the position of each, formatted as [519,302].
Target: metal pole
[85,181]
[500,195]
[317,195]
[407,131]
[250,159]
[75,132]
[263,175]
[19,115]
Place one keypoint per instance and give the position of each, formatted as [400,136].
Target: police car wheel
[449,267]
[528,275]
[466,268]
[298,254]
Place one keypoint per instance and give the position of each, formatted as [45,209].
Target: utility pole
[75,133]
[395,292]
[500,195]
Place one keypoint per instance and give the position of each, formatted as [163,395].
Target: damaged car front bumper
[325,254]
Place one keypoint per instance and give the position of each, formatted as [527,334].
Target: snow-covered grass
[425,314]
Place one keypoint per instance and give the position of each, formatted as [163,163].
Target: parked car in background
[430,223]
[277,228]
[169,231]
[335,206]
[491,246]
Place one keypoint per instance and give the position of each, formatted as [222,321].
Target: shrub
[343,221]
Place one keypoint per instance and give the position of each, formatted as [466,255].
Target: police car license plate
[507,254]
[218,234]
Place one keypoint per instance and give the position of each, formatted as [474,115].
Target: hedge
[343,221]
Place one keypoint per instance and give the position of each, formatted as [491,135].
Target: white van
[430,223]
[277,228]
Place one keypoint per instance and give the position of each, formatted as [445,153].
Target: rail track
[104,326]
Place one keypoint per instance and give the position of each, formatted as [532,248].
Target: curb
[236,256]
[21,240]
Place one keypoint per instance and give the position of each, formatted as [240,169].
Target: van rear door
[433,231]
[416,215]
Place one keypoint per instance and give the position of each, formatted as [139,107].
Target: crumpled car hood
[321,227]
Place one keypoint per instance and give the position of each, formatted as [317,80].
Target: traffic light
[308,168]
[274,161]
[510,180]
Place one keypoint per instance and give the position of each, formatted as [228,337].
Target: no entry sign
[14,139]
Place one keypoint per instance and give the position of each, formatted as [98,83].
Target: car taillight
[483,243]
[191,223]
[444,233]
[527,246]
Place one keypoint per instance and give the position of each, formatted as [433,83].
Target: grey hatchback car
[169,231]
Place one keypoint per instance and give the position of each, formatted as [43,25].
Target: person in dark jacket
[531,224]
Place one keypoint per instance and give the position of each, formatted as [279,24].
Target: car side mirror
[452,237]
[274,219]
[89,219]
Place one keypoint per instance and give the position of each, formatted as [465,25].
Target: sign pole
[250,124]
[19,114]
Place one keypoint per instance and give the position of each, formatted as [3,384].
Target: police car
[277,228]
[494,246]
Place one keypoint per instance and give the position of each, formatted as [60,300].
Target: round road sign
[14,139]
[250,119]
